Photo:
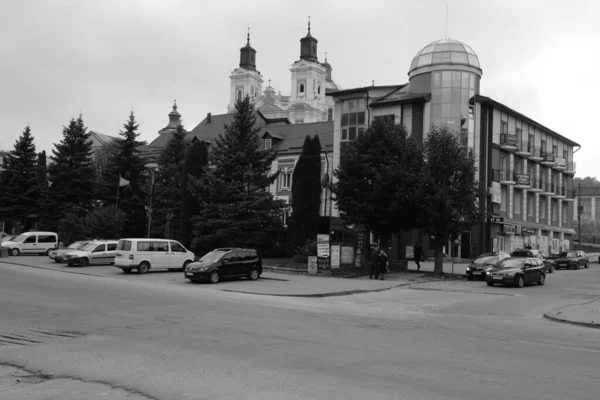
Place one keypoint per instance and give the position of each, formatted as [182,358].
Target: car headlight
[468,268]
[488,272]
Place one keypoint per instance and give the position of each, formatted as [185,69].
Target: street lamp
[579,209]
[149,208]
[325,182]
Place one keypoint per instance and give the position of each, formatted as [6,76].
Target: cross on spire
[248,34]
[269,82]
[309,24]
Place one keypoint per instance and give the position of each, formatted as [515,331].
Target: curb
[566,321]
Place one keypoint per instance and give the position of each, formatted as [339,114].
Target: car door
[531,270]
[227,267]
[178,255]
[243,262]
[111,252]
[98,254]
[160,255]
[30,244]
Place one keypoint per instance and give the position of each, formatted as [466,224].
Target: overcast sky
[106,58]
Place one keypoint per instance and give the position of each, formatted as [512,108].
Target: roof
[362,89]
[100,139]
[401,98]
[444,52]
[294,135]
[483,99]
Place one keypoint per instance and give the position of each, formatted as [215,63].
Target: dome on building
[444,52]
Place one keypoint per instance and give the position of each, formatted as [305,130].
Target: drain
[30,337]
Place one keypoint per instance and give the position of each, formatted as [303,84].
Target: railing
[508,140]
[535,151]
[524,146]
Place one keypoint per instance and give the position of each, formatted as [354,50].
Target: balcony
[535,154]
[570,169]
[523,181]
[524,148]
[547,188]
[560,163]
[505,176]
[536,185]
[548,159]
[508,142]
[560,192]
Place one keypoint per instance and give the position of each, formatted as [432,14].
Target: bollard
[3,252]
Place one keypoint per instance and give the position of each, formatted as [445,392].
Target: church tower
[245,80]
[307,101]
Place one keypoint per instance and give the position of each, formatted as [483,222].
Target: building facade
[526,168]
[587,214]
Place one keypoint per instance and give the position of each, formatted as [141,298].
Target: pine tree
[167,196]
[42,170]
[19,189]
[306,193]
[195,164]
[236,207]
[123,160]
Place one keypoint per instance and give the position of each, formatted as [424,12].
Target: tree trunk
[438,267]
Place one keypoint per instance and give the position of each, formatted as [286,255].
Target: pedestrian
[418,255]
[373,262]
[382,264]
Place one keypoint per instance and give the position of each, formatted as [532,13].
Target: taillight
[131,256]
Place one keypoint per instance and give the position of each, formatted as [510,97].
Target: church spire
[308,46]
[248,55]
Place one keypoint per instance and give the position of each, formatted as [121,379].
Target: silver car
[58,255]
[97,252]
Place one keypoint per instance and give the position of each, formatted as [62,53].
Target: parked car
[517,271]
[155,254]
[32,243]
[572,259]
[4,237]
[58,255]
[539,254]
[224,263]
[97,252]
[485,261]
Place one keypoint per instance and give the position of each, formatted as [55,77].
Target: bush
[309,249]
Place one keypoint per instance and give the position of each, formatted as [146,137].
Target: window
[252,91]
[504,198]
[285,179]
[517,201]
[268,144]
[111,247]
[503,127]
[124,245]
[389,118]
[301,88]
[176,247]
[160,246]
[46,239]
[240,94]
[543,208]
[319,89]
[330,115]
[30,239]
[530,205]
[553,211]
[565,214]
[99,249]
[143,246]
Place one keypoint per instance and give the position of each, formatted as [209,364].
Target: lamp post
[325,182]
[579,209]
[149,208]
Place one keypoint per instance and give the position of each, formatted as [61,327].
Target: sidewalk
[586,314]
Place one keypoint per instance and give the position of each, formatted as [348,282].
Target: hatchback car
[224,263]
[572,259]
[536,253]
[477,268]
[517,271]
[97,252]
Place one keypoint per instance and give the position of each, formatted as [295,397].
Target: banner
[335,257]
[509,229]
[322,245]
[410,252]
[527,231]
[312,265]
[522,179]
[347,255]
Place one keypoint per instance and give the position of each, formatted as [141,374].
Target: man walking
[418,255]
[382,264]
[373,256]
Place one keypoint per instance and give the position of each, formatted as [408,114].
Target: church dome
[445,52]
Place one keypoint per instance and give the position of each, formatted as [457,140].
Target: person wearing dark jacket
[373,262]
[418,255]
[382,264]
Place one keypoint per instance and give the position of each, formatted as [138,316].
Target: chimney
[208,120]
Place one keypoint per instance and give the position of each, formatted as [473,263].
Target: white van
[155,254]
[32,243]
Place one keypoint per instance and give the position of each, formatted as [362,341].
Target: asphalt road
[164,338]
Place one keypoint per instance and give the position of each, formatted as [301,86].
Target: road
[162,337]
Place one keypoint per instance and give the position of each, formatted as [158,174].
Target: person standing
[373,262]
[418,255]
[382,264]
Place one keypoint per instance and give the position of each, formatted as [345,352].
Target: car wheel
[83,262]
[253,274]
[14,252]
[214,277]
[185,264]
[489,283]
[587,263]
[520,282]
[48,252]
[143,268]
[542,280]
[126,270]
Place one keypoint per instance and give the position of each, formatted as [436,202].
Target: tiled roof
[294,135]
[100,139]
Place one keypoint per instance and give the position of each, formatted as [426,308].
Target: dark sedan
[476,270]
[572,259]
[517,271]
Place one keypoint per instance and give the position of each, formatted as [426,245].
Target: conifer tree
[236,206]
[196,161]
[19,189]
[306,193]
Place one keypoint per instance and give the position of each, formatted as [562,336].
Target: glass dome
[445,51]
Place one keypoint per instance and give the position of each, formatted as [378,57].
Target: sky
[106,58]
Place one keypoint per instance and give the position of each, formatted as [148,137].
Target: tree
[167,196]
[124,161]
[195,163]
[236,207]
[71,176]
[378,180]
[19,189]
[450,193]
[42,170]
[306,193]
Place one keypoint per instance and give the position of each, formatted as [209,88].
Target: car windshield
[76,245]
[88,246]
[510,263]
[486,260]
[569,254]
[213,256]
[19,238]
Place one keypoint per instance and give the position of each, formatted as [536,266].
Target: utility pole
[579,209]
[149,208]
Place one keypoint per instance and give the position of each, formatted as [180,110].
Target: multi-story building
[526,168]
[587,207]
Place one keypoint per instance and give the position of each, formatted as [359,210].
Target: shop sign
[509,229]
[335,257]
[527,231]
[510,140]
[522,179]
[410,252]
[560,162]
[322,245]
[496,220]
[548,157]
[312,265]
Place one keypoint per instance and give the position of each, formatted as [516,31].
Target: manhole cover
[30,337]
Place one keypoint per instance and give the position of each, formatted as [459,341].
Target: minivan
[146,254]
[32,243]
[231,262]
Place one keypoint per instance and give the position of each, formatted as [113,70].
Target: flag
[123,182]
